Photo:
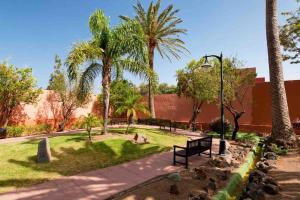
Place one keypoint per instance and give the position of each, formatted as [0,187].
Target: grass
[72,154]
[243,137]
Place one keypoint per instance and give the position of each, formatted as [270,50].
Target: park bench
[193,147]
[118,121]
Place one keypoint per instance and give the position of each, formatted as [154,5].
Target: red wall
[258,116]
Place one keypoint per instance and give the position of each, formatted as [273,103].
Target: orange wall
[258,116]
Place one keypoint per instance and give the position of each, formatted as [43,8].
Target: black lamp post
[222,148]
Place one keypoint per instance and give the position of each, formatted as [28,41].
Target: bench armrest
[179,147]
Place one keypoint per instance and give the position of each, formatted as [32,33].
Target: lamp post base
[222,149]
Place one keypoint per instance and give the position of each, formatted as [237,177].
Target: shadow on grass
[71,161]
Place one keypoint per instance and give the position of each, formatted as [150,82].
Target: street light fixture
[222,148]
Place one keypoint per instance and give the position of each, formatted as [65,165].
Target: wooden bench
[193,147]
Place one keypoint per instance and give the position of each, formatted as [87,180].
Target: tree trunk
[236,129]
[89,132]
[196,110]
[150,85]
[106,87]
[281,124]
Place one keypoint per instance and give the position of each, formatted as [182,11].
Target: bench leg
[186,162]
[210,152]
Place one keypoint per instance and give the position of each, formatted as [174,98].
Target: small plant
[89,122]
[215,125]
[174,178]
[15,131]
[278,150]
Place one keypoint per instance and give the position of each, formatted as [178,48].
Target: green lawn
[72,154]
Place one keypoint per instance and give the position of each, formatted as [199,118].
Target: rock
[257,194]
[270,180]
[200,173]
[263,166]
[174,189]
[270,155]
[252,187]
[211,187]
[202,195]
[3,133]
[223,174]
[271,189]
[44,153]
[221,161]
[256,176]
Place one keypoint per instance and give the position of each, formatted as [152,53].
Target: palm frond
[87,79]
[81,52]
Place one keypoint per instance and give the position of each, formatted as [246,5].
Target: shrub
[278,150]
[15,131]
[215,125]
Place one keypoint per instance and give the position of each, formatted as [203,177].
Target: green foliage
[120,91]
[197,83]
[15,131]
[131,105]
[241,136]
[278,150]
[290,36]
[164,35]
[164,88]
[65,92]
[21,130]
[17,87]
[91,121]
[215,125]
[175,177]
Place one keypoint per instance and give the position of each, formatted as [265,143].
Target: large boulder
[3,133]
[44,153]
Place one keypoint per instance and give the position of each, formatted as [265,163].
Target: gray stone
[44,153]
[271,189]
[200,173]
[256,176]
[199,195]
[211,187]
[270,155]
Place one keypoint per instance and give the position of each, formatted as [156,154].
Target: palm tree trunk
[150,86]
[106,88]
[281,124]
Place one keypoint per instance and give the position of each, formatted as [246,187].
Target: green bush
[15,131]
[215,125]
[278,150]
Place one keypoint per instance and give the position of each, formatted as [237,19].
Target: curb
[239,176]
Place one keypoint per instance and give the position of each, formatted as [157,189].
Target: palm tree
[89,122]
[110,49]
[131,106]
[281,124]
[161,33]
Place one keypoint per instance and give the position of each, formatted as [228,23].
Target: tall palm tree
[131,106]
[161,33]
[109,49]
[281,124]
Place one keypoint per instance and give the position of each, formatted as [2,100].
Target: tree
[89,122]
[17,87]
[65,93]
[281,124]
[164,88]
[161,33]
[290,36]
[120,47]
[237,83]
[131,106]
[198,84]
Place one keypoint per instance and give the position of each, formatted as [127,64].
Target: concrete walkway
[102,183]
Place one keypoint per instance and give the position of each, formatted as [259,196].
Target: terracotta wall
[46,110]
[257,106]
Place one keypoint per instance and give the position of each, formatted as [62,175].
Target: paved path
[102,183]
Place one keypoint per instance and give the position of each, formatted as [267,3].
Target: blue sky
[32,32]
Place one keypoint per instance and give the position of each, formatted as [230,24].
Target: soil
[287,173]
[160,189]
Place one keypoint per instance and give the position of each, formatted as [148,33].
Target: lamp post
[222,148]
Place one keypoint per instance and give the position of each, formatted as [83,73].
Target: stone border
[239,175]
[143,184]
